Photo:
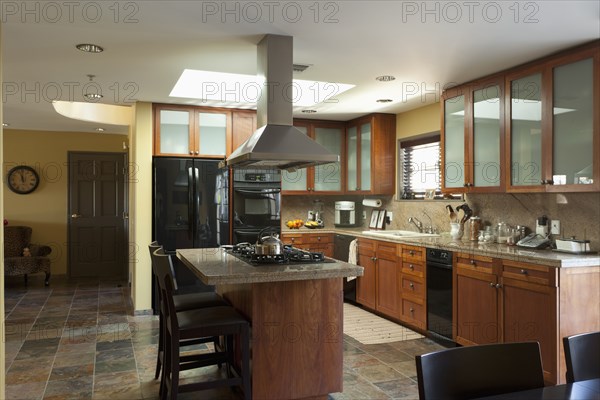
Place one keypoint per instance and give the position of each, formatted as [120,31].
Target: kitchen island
[296,316]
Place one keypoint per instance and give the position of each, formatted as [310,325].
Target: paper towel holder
[376,203]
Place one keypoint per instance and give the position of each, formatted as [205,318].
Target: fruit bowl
[294,223]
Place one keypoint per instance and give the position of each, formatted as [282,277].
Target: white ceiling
[425,45]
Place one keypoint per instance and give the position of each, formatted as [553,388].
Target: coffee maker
[346,214]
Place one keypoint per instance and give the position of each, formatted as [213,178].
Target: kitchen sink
[399,234]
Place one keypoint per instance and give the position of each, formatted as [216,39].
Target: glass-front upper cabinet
[486,168]
[191,131]
[525,133]
[173,131]
[574,136]
[322,178]
[358,150]
[453,139]
[328,177]
[212,133]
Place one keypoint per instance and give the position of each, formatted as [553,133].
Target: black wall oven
[256,203]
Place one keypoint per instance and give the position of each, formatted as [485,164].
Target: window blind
[420,162]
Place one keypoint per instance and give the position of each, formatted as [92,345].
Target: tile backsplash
[579,213]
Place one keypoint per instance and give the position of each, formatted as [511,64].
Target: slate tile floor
[79,340]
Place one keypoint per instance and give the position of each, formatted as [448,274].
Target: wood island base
[297,336]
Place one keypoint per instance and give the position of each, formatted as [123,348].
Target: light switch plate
[555,227]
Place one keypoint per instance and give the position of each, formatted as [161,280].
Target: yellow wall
[2,341]
[140,206]
[45,210]
[418,121]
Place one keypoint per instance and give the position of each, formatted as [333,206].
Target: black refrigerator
[190,207]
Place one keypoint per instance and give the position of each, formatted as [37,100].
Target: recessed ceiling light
[309,111]
[4,124]
[100,129]
[93,96]
[385,100]
[385,78]
[90,48]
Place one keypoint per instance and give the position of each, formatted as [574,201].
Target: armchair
[19,261]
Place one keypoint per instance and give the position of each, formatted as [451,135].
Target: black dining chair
[476,371]
[183,302]
[181,326]
[582,356]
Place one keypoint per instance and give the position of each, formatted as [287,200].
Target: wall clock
[23,179]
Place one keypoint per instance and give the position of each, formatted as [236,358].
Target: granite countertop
[541,257]
[214,266]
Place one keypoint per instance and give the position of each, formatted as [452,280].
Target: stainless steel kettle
[270,244]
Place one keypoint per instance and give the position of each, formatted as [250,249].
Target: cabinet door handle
[411,252]
[319,238]
[492,285]
[374,258]
[411,267]
[412,286]
[412,310]
[524,272]
[498,286]
[472,262]
[191,153]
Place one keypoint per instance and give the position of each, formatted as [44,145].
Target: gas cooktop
[289,254]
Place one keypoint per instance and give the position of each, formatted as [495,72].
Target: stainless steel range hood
[277,143]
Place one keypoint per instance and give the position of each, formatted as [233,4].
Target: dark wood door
[97,215]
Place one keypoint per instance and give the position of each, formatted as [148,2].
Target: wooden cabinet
[188,131]
[393,283]
[472,137]
[322,179]
[499,300]
[244,125]
[316,242]
[367,283]
[371,155]
[554,125]
[533,128]
[412,286]
[476,300]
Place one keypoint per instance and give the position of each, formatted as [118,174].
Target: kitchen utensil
[270,244]
[452,214]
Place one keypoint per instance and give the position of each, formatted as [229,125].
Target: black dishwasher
[439,293]
[341,250]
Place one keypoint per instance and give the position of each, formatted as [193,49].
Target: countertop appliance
[256,203]
[247,252]
[439,293]
[341,250]
[188,197]
[346,214]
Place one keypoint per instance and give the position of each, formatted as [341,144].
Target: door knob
[75,215]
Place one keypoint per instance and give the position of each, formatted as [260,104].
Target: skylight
[243,91]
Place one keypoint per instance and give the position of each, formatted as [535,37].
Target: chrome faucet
[428,229]
[417,223]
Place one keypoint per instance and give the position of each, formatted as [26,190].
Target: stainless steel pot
[268,245]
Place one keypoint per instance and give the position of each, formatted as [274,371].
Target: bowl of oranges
[294,223]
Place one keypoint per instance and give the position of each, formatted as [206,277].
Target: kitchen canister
[456,230]
[474,228]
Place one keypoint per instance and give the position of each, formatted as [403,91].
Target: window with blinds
[419,162]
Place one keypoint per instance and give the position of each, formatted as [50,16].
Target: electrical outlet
[364,215]
[389,216]
[555,227]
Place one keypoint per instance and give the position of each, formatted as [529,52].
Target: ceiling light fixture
[89,48]
[386,78]
[309,111]
[93,96]
[100,129]
[4,124]
[385,100]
